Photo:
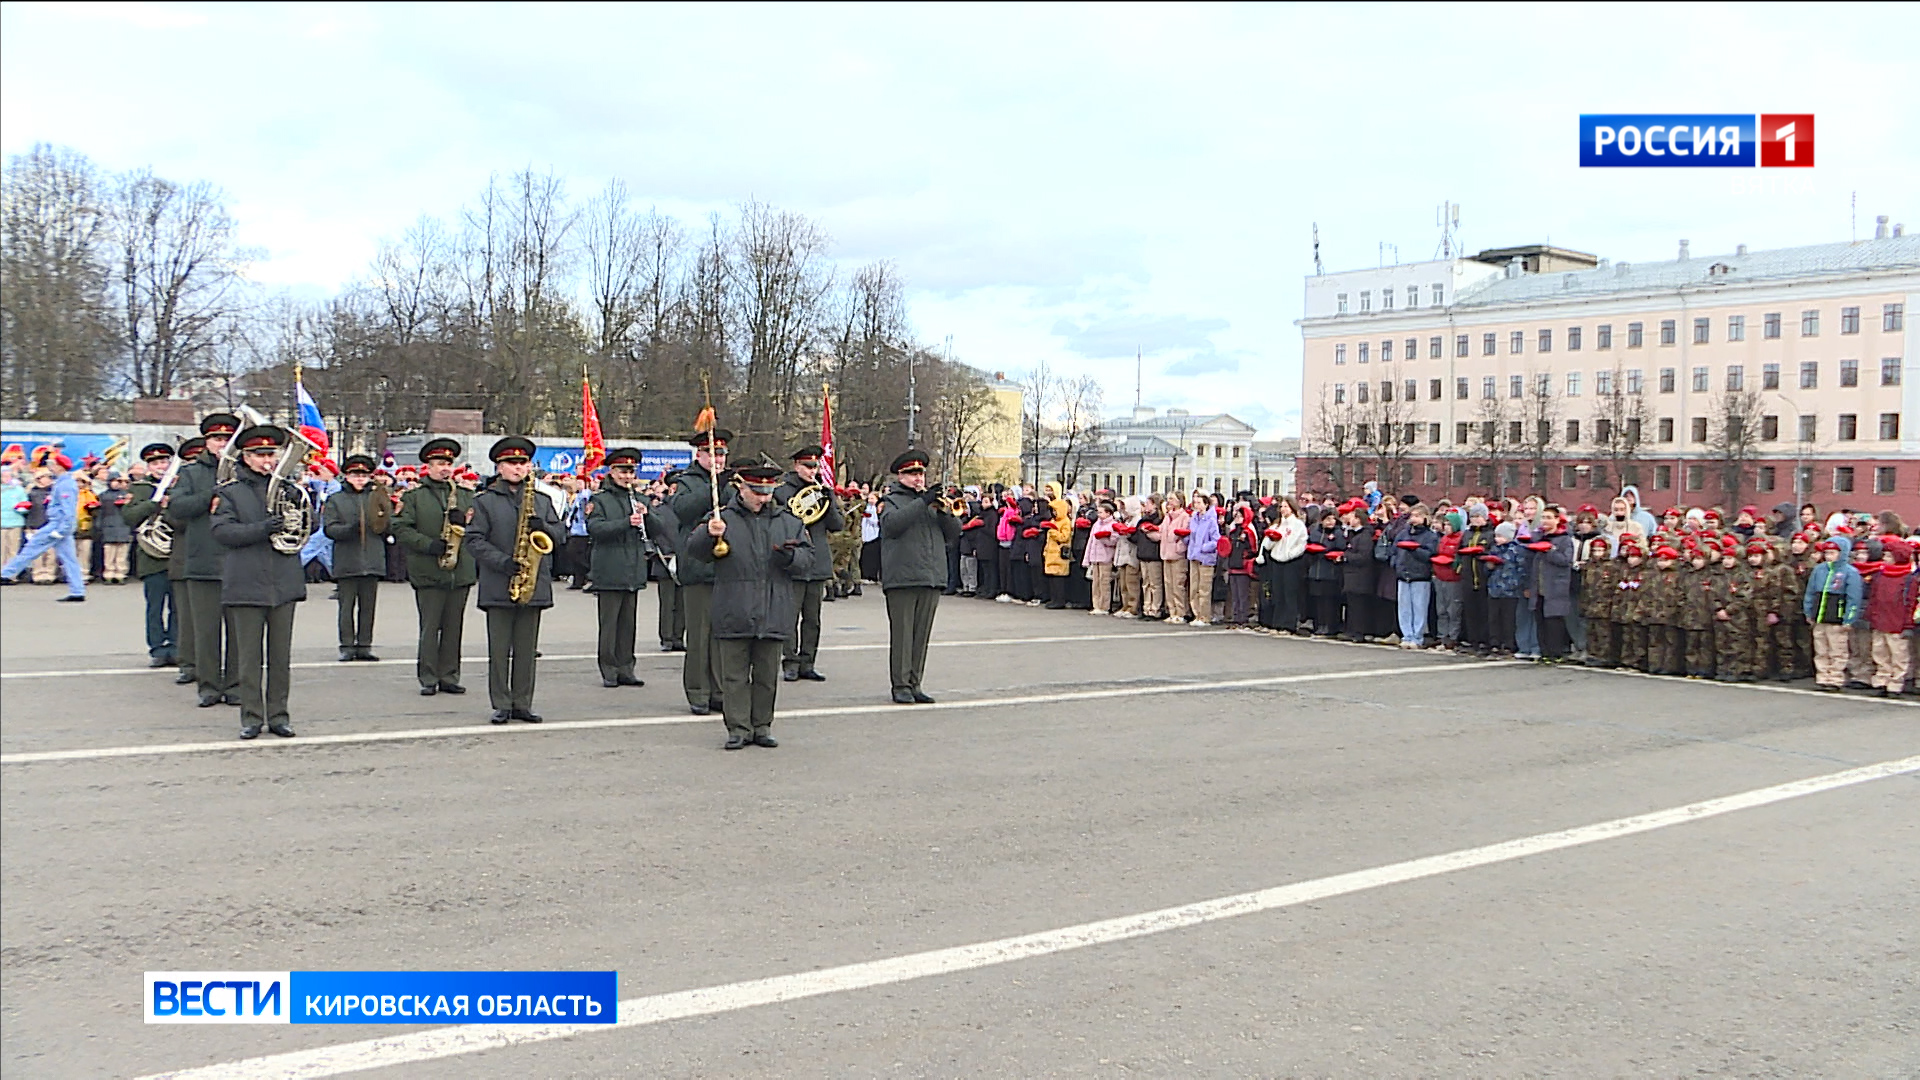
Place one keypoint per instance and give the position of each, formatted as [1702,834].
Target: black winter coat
[1320,569]
[253,574]
[913,538]
[753,594]
[818,533]
[618,559]
[1416,564]
[189,510]
[359,550]
[1357,572]
[496,520]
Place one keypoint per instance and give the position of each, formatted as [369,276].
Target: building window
[1433,436]
[1606,336]
[1460,345]
[1770,376]
[1635,383]
[1412,390]
[1764,478]
[1433,348]
[1809,427]
[1700,379]
[1219,451]
[1516,386]
[1636,335]
[1884,478]
[1487,387]
[1487,346]
[1668,333]
[1603,382]
[1366,352]
[1339,393]
[1810,324]
[1433,389]
[1573,339]
[1413,346]
[1516,432]
[1893,316]
[1460,388]
[1769,428]
[1702,331]
[1663,477]
[1809,374]
[1543,384]
[1342,301]
[1573,384]
[1386,299]
[1770,325]
[1386,351]
[1483,474]
[1457,475]
[1666,380]
[1439,295]
[1569,476]
[1847,427]
[1386,392]
[1736,378]
[1843,479]
[1488,432]
[1339,354]
[1804,481]
[1573,433]
[1633,432]
[1597,477]
[1603,431]
[1460,436]
[1736,328]
[1360,391]
[1849,320]
[1431,473]
[1699,429]
[1889,425]
[1889,371]
[1696,477]
[1546,341]
[1516,342]
[1849,373]
[1665,428]
[1366,300]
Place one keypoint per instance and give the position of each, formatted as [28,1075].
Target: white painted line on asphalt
[708,1001]
[875,646]
[1004,701]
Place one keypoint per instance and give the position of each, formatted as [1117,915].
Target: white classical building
[1151,451]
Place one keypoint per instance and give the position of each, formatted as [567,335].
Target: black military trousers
[910,614]
[803,645]
[700,675]
[204,620]
[358,595]
[261,650]
[182,624]
[1476,619]
[619,614]
[443,614]
[513,635]
[749,681]
[673,619]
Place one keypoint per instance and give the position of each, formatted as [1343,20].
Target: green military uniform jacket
[691,504]
[820,533]
[619,551]
[1631,608]
[140,506]
[753,586]
[359,550]
[190,511]
[1600,588]
[1660,593]
[417,527]
[1697,595]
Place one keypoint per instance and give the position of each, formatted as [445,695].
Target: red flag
[826,438]
[595,443]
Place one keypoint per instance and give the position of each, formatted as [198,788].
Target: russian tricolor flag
[311,423]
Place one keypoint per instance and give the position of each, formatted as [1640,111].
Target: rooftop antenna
[1853,215]
[1318,270]
[1137,362]
[1447,217]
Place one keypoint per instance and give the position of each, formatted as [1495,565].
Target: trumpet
[957,506]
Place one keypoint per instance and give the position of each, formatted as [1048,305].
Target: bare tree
[179,278]
[1618,428]
[1493,443]
[962,414]
[1734,437]
[1078,415]
[1037,390]
[1540,426]
[1333,433]
[55,336]
[1383,425]
[779,277]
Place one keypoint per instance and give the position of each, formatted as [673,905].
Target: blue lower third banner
[382,997]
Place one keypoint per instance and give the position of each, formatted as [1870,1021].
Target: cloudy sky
[1066,184]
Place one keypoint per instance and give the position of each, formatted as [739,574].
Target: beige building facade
[1757,377]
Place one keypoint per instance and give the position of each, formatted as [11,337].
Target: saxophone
[530,545]
[451,530]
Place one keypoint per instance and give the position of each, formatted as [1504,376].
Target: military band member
[618,527]
[797,657]
[664,529]
[691,504]
[432,517]
[914,530]
[753,598]
[189,452]
[513,622]
[356,518]
[260,584]
[163,627]
[200,563]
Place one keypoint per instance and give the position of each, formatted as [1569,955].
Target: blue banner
[1666,140]
[460,997]
[18,445]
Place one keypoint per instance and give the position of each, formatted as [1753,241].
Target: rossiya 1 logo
[1696,140]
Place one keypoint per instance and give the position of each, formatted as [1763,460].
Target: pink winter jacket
[1173,547]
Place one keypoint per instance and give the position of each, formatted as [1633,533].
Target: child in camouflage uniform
[1794,647]
[1599,601]
[1696,612]
[1628,611]
[1733,616]
[1773,599]
[1660,599]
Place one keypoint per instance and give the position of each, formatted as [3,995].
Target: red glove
[1316,548]
[1474,550]
[1337,556]
[1030,533]
[1183,532]
[1223,546]
[1102,534]
[1443,560]
[1082,523]
[1015,518]
[1123,530]
[1273,534]
[974,524]
[1150,526]
[1493,560]
[1408,544]
[1540,545]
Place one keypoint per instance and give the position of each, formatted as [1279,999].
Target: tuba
[809,504]
[530,545]
[287,497]
[155,535]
